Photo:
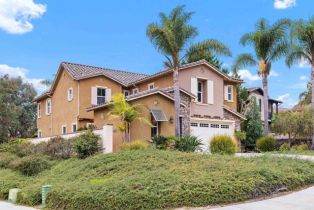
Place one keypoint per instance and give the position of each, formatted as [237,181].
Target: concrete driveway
[9,206]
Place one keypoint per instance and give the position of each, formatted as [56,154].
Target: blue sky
[36,35]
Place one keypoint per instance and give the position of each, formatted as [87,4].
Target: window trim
[135,89]
[64,126]
[70,97]
[48,112]
[151,84]
[126,91]
[75,127]
[231,93]
[38,110]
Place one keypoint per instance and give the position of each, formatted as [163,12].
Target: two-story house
[273,104]
[80,95]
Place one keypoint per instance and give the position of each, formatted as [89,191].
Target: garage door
[206,130]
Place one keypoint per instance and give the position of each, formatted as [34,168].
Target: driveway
[9,206]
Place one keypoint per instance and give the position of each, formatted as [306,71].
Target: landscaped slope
[153,179]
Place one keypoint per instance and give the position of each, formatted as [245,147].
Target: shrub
[266,144]
[24,149]
[188,143]
[164,143]
[284,147]
[86,144]
[135,145]
[302,147]
[60,148]
[11,145]
[6,158]
[31,165]
[222,144]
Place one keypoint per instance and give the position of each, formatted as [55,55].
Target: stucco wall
[44,123]
[232,104]
[204,72]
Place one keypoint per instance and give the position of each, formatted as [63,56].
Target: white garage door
[206,130]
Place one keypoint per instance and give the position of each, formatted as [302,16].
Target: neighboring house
[80,96]
[273,104]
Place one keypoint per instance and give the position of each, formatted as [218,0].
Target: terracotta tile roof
[79,71]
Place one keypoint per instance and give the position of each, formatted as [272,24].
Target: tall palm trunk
[265,99]
[176,99]
[312,100]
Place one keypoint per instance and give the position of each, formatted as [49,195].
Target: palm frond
[243,60]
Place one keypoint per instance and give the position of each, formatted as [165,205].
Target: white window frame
[151,86]
[63,126]
[39,110]
[75,127]
[70,96]
[135,90]
[48,111]
[39,134]
[126,91]
[229,87]
[104,88]
[200,91]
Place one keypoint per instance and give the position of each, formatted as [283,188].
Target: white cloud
[248,76]
[303,78]
[15,15]
[287,100]
[21,72]
[304,63]
[284,4]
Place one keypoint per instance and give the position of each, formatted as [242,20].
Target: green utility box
[44,191]
[13,195]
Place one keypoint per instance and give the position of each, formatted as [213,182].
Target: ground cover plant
[157,179]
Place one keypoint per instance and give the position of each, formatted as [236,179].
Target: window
[48,106]
[224,126]
[38,110]
[135,90]
[204,125]
[74,127]
[101,95]
[39,134]
[194,124]
[214,125]
[229,93]
[126,93]
[64,129]
[200,90]
[151,86]
[154,128]
[70,94]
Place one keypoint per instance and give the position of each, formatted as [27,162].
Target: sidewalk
[9,206]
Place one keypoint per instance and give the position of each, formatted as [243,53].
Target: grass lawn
[153,179]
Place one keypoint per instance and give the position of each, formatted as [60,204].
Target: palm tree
[126,113]
[270,44]
[170,36]
[303,48]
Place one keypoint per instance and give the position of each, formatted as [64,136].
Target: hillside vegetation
[153,179]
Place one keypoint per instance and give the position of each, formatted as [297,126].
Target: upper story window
[151,86]
[38,110]
[229,93]
[126,93]
[101,95]
[135,90]
[70,94]
[48,107]
[200,91]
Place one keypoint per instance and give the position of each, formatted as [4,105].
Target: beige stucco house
[80,95]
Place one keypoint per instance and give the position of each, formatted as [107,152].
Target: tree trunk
[176,100]
[312,100]
[265,102]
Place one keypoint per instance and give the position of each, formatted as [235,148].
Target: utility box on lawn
[13,195]
[44,191]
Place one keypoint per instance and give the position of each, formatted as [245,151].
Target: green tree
[171,36]
[253,125]
[17,110]
[303,48]
[270,44]
[126,113]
